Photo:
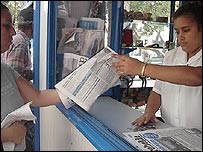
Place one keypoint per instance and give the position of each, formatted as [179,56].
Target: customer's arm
[38,98]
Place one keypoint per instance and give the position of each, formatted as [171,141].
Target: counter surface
[116,115]
[104,124]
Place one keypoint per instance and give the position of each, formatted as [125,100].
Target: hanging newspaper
[168,139]
[78,45]
[89,80]
[91,23]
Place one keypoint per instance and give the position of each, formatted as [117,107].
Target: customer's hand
[17,132]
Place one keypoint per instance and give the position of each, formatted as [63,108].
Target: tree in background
[151,27]
[156,8]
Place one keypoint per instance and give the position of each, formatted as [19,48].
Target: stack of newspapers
[166,139]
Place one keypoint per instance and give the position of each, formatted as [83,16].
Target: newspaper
[168,139]
[71,61]
[78,45]
[23,113]
[89,80]
[81,41]
[91,23]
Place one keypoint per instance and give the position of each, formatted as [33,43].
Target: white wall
[59,134]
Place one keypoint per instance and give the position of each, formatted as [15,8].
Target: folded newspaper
[23,113]
[88,81]
[168,139]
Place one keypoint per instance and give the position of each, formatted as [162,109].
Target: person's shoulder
[173,51]
[6,67]
[174,55]
[19,38]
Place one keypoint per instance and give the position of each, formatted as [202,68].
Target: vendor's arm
[153,104]
[186,75]
[38,98]
[15,133]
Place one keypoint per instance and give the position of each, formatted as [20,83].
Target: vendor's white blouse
[181,105]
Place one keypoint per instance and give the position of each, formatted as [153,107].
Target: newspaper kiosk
[73,129]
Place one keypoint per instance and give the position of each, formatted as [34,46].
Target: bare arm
[153,104]
[38,98]
[186,75]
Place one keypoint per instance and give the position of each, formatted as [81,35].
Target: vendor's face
[7,30]
[188,34]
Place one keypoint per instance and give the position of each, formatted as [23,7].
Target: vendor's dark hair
[193,9]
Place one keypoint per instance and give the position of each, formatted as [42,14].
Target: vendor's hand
[127,65]
[18,132]
[144,119]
